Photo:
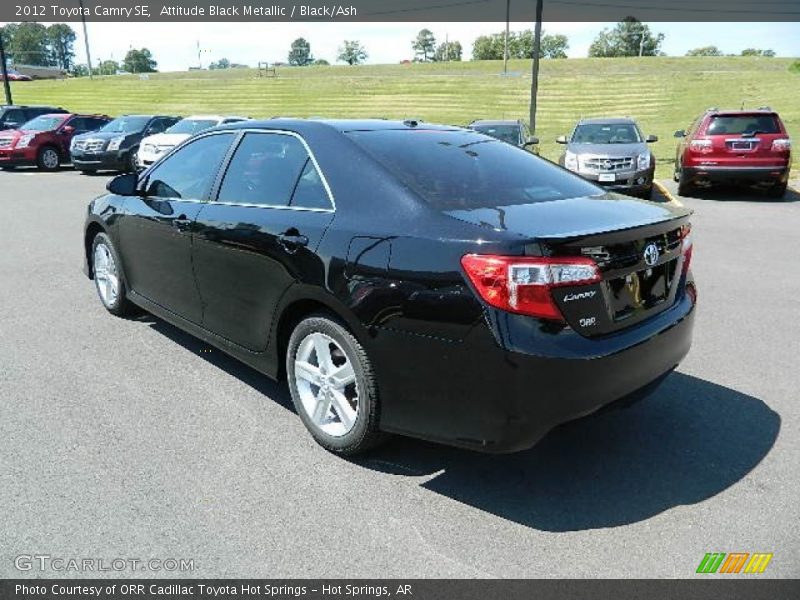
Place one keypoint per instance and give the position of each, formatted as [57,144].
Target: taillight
[687,245]
[522,285]
[782,145]
[701,146]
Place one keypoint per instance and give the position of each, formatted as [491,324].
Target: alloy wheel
[50,159]
[106,275]
[326,383]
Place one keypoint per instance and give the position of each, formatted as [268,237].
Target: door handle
[182,224]
[291,241]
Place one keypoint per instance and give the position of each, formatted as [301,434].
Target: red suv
[734,146]
[44,141]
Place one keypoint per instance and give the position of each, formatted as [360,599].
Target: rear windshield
[507,133]
[742,124]
[606,133]
[465,170]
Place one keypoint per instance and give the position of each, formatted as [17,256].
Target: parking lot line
[667,194]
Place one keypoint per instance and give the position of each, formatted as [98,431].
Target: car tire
[341,415]
[48,159]
[684,186]
[778,191]
[108,278]
[132,163]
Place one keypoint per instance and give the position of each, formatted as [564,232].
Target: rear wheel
[685,187]
[778,190]
[48,159]
[332,385]
[108,278]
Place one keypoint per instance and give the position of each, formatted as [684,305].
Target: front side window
[265,170]
[189,172]
[465,170]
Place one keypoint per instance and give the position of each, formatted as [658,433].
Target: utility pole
[86,40]
[508,26]
[537,48]
[4,70]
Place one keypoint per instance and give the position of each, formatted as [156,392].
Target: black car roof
[341,125]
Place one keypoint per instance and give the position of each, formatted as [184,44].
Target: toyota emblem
[651,255]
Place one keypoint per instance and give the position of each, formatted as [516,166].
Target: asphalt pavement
[130,439]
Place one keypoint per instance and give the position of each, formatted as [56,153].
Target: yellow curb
[662,188]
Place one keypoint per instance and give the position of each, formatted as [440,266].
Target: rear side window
[189,172]
[265,170]
[454,170]
[743,124]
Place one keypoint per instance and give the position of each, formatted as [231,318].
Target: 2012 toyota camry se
[402,277]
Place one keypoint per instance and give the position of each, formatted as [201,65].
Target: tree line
[35,44]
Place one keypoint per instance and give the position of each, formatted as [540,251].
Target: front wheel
[332,384]
[132,163]
[108,278]
[48,159]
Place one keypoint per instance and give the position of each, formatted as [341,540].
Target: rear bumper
[723,174]
[513,380]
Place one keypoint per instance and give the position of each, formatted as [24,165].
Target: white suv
[155,146]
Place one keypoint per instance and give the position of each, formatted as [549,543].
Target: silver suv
[611,152]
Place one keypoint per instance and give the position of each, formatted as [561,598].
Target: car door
[258,236]
[155,231]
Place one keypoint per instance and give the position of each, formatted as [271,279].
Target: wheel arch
[294,307]
[92,229]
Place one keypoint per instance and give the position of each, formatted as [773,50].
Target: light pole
[505,46]
[4,69]
[86,39]
[537,47]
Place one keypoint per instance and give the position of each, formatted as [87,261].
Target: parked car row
[720,146]
[48,137]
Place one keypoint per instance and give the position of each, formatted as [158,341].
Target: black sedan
[402,277]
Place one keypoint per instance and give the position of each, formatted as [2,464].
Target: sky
[175,46]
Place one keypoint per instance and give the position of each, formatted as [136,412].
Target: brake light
[782,145]
[522,284]
[701,146]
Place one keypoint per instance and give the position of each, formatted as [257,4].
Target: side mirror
[531,141]
[67,129]
[651,138]
[562,139]
[680,133]
[123,185]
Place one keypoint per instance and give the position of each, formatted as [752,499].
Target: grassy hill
[664,94]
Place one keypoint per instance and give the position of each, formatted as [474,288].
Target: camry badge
[651,255]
